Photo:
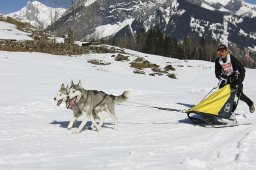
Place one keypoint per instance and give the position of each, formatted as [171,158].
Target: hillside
[116,21]
[19,36]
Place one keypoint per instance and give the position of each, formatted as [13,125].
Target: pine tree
[140,39]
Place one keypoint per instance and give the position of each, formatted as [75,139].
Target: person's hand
[223,76]
[222,82]
[234,77]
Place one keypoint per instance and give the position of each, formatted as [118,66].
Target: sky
[9,6]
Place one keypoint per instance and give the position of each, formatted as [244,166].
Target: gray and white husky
[92,102]
[62,96]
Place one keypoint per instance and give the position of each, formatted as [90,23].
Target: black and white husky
[92,102]
[62,97]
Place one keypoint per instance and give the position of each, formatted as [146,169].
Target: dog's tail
[122,98]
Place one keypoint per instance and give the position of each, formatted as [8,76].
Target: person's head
[222,51]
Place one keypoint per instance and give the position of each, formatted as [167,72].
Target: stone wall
[51,48]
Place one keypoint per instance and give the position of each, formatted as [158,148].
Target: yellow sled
[220,104]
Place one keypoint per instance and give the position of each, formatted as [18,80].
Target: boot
[252,108]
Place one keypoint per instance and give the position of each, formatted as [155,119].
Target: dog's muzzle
[71,102]
[59,102]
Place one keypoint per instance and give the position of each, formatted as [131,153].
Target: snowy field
[34,131]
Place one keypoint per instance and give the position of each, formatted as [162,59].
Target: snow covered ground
[34,131]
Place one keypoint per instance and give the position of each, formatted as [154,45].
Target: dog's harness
[82,96]
[99,103]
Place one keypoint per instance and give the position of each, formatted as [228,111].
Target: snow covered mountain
[228,21]
[234,7]
[38,14]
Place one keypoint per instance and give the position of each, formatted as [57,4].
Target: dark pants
[244,98]
[240,93]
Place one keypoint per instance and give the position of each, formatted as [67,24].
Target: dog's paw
[90,128]
[98,129]
[76,131]
[70,126]
[115,128]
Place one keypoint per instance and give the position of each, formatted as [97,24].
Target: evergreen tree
[174,47]
[149,44]
[167,46]
[140,39]
[159,42]
[155,42]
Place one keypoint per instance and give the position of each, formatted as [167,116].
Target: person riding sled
[230,71]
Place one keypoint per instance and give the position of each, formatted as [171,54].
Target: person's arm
[240,68]
[217,69]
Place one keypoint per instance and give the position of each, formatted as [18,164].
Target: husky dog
[62,96]
[92,102]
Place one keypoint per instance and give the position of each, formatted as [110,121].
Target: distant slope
[11,29]
[229,21]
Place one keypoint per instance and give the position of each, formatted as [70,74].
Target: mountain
[229,21]
[234,7]
[38,14]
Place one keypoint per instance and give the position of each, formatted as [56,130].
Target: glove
[223,76]
[222,82]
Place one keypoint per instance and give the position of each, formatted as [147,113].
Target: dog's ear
[62,86]
[80,84]
[72,83]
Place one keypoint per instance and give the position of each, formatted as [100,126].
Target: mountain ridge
[179,18]
[37,14]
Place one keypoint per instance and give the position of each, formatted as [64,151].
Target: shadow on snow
[64,124]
